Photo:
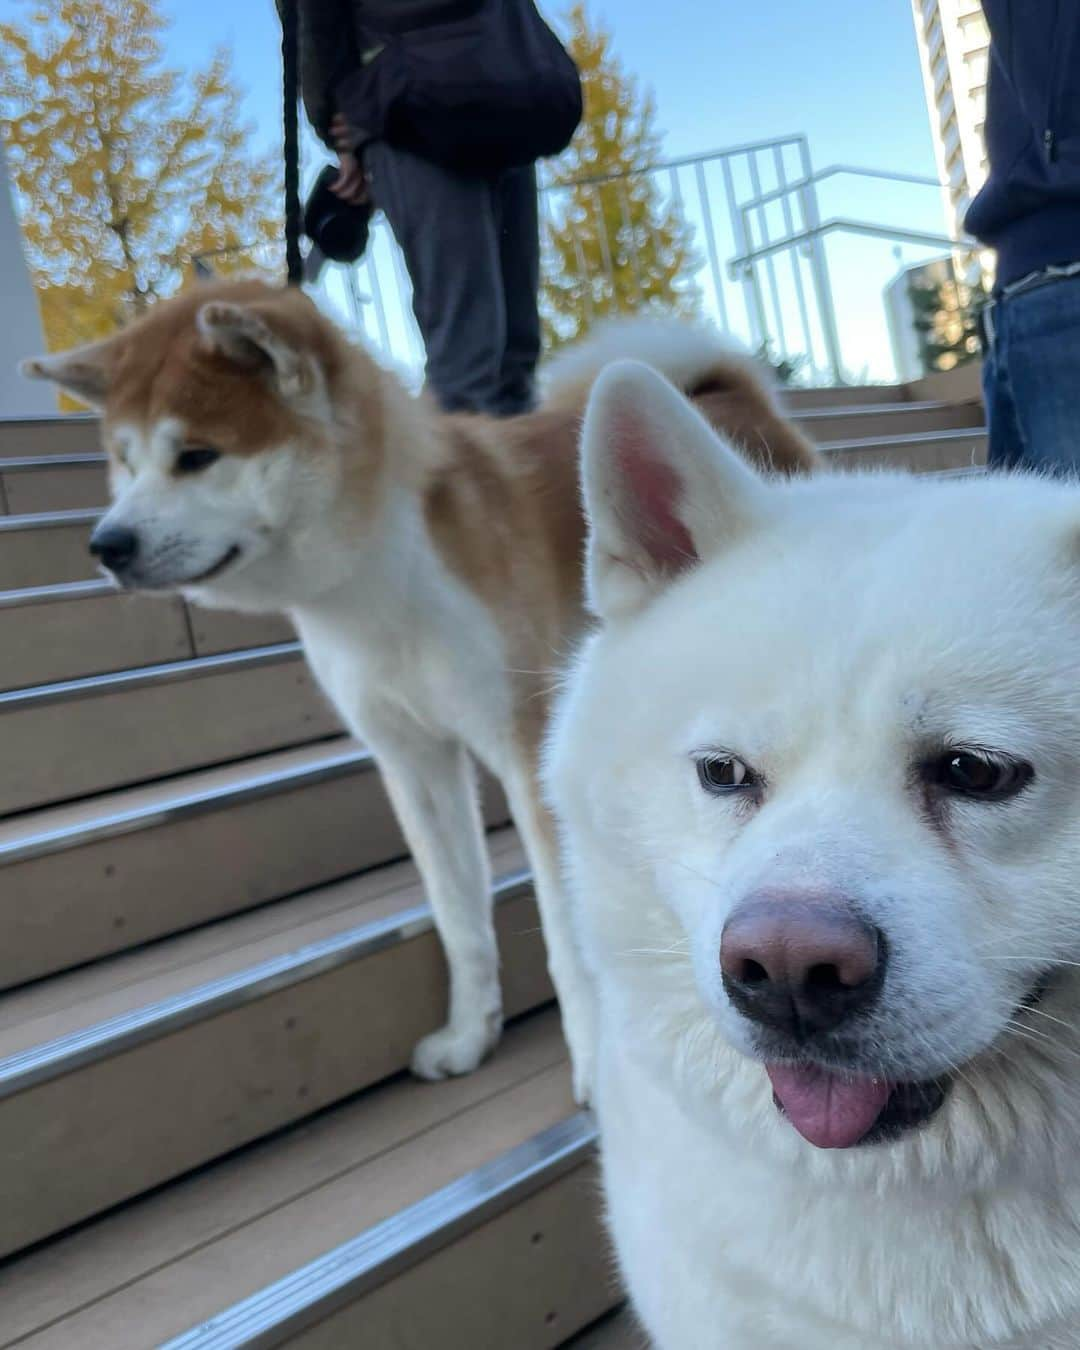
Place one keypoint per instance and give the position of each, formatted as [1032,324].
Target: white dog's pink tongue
[828,1110]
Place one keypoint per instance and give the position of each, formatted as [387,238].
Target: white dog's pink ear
[241,333]
[84,372]
[662,490]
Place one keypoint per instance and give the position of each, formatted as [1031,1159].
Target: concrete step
[65,632]
[928,452]
[26,437]
[120,1076]
[46,549]
[53,633]
[40,550]
[75,738]
[843,396]
[825,425]
[49,483]
[52,483]
[64,434]
[59,632]
[81,882]
[461,1216]
[619,1330]
[479,1264]
[75,434]
[220,630]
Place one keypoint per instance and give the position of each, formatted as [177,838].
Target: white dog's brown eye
[195,459]
[980,775]
[723,773]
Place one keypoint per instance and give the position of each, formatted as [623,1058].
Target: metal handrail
[680,162]
[897,234]
[854,170]
[780,267]
[592,180]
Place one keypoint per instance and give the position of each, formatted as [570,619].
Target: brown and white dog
[431,564]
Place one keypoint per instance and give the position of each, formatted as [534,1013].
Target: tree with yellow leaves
[613,246]
[124,170]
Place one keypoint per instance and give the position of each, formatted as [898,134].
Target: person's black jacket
[334,35]
[1029,209]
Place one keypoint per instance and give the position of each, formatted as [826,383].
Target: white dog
[819,777]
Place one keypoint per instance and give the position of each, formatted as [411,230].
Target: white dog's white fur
[834,634]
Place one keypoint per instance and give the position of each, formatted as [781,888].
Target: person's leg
[517,218]
[445,225]
[1043,373]
[1005,449]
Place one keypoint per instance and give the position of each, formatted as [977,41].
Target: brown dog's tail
[734,391]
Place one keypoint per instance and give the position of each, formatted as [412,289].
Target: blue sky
[845,72]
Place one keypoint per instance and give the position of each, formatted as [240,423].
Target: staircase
[215,958]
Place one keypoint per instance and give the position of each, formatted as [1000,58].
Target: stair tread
[851,411]
[619,1332]
[903,438]
[166,1261]
[161,672]
[66,1004]
[92,813]
[78,459]
[841,396]
[898,410]
[62,433]
[39,520]
[817,418]
[840,413]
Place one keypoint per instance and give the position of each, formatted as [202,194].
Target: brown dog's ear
[243,335]
[84,372]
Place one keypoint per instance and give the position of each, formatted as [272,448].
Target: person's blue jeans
[1031,379]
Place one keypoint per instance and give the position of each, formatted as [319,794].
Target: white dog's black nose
[115,547]
[800,965]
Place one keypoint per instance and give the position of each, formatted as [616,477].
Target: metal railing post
[377,297]
[710,243]
[819,267]
[595,282]
[755,305]
[770,265]
[796,261]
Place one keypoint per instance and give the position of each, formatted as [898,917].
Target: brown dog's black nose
[800,966]
[115,547]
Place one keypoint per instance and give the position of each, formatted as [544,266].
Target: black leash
[290,66]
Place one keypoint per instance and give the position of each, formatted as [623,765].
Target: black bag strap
[290,67]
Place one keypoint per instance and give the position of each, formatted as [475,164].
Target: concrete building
[900,313]
[20,333]
[954,49]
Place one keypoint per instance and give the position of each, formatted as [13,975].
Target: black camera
[338,229]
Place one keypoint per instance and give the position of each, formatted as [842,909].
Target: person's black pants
[472,249]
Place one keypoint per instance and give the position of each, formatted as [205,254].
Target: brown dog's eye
[195,459]
[979,775]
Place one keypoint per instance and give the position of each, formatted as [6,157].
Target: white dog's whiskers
[676,949]
[1049,1017]
[693,871]
[1026,960]
[1044,1040]
[952,1065]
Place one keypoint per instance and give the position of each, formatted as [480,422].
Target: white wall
[20,322]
